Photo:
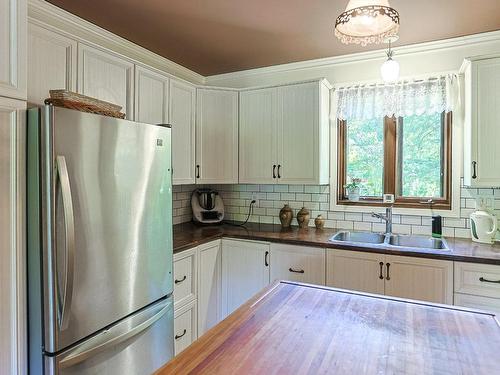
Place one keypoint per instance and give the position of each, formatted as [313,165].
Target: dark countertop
[292,328]
[188,235]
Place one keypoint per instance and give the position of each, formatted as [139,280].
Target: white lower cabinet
[419,278]
[298,263]
[245,272]
[477,286]
[185,277]
[209,286]
[185,328]
[398,276]
[355,270]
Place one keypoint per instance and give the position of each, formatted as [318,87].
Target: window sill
[369,206]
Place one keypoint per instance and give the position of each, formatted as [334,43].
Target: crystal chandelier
[367,21]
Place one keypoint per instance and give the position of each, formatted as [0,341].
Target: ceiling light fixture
[390,68]
[367,21]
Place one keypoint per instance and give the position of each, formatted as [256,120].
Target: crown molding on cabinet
[462,41]
[42,12]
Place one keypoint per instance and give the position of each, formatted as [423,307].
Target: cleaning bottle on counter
[437,226]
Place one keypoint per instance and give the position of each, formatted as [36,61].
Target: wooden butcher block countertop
[292,328]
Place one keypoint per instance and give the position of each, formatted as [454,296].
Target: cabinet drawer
[298,263]
[477,302]
[185,327]
[477,279]
[184,277]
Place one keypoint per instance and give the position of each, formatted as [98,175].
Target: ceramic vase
[319,222]
[286,216]
[303,217]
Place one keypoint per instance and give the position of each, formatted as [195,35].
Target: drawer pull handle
[177,337]
[381,276]
[180,281]
[266,259]
[388,277]
[483,280]
[295,271]
[274,171]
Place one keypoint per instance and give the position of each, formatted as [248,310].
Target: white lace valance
[404,98]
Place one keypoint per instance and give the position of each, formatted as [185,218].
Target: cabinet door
[185,277]
[217,136]
[13,20]
[258,136]
[185,328]
[51,63]
[486,117]
[12,247]
[107,77]
[151,96]
[245,271]
[209,286]
[298,149]
[421,279]
[355,270]
[182,118]
[298,263]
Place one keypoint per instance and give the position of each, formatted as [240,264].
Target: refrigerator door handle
[109,338]
[69,228]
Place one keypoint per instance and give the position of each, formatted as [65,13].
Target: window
[409,157]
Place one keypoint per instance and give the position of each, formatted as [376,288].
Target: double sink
[390,240]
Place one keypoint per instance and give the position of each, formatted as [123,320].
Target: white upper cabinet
[258,136]
[151,96]
[482,119]
[182,118]
[284,134]
[51,63]
[216,136]
[106,76]
[13,21]
[245,272]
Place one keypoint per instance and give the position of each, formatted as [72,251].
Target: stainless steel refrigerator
[99,244]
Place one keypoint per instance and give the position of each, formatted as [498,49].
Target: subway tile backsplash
[316,198]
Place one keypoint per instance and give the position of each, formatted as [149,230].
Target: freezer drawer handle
[181,280]
[177,337]
[69,228]
[91,349]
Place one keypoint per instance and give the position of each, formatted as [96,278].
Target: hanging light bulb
[390,68]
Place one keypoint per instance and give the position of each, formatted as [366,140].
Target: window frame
[391,166]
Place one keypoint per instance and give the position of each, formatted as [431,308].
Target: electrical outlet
[256,199]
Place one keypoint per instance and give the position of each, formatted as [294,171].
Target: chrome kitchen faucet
[387,218]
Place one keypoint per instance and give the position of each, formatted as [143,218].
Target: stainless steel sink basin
[359,237]
[421,242]
[393,240]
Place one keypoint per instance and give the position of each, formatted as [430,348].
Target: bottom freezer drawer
[139,345]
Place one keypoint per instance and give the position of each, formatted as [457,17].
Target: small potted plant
[353,189]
